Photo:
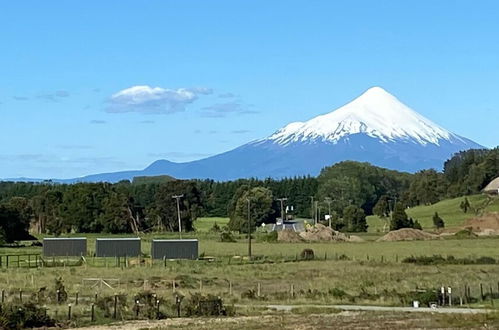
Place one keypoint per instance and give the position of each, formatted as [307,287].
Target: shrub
[226,236]
[106,304]
[216,228]
[338,293]
[150,301]
[209,305]
[268,238]
[307,254]
[24,316]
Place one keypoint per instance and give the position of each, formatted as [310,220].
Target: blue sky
[222,73]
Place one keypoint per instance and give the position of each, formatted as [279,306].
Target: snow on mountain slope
[375,113]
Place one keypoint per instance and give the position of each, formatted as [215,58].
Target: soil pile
[407,234]
[487,224]
[321,233]
[288,236]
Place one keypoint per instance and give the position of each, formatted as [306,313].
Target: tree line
[347,191]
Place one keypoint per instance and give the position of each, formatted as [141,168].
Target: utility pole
[283,215]
[315,216]
[312,214]
[178,197]
[249,228]
[328,201]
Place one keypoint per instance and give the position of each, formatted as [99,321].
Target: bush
[216,228]
[24,316]
[227,236]
[338,293]
[149,302]
[209,305]
[268,238]
[307,254]
[450,260]
[106,304]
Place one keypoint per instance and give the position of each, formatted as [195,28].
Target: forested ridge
[347,190]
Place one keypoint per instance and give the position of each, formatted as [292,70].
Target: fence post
[230,288]
[258,289]
[491,295]
[76,298]
[177,302]
[292,289]
[21,295]
[92,317]
[3,296]
[481,292]
[115,307]
[69,311]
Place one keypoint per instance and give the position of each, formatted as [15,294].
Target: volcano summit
[375,127]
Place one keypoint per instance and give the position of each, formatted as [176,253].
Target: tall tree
[260,209]
[399,218]
[354,219]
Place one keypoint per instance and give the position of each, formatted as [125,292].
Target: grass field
[205,224]
[369,272]
[448,210]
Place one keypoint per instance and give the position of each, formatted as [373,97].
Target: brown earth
[288,236]
[317,233]
[487,224]
[407,234]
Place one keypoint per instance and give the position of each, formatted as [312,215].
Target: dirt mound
[355,238]
[407,234]
[488,224]
[321,233]
[288,236]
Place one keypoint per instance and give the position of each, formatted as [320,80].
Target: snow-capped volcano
[376,113]
[375,128]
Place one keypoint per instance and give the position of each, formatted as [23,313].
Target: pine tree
[399,218]
[438,222]
[465,205]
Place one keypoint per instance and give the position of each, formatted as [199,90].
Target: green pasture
[448,210]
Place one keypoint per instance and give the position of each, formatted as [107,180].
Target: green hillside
[152,179]
[448,209]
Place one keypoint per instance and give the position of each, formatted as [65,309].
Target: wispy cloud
[146,122]
[54,97]
[226,95]
[154,100]
[74,147]
[179,155]
[20,98]
[98,122]
[223,109]
[240,131]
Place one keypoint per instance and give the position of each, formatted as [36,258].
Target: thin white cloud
[177,155]
[54,97]
[154,100]
[97,122]
[220,110]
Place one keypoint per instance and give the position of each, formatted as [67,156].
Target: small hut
[493,187]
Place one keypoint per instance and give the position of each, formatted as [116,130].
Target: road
[445,310]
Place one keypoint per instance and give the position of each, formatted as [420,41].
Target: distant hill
[447,209]
[152,179]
